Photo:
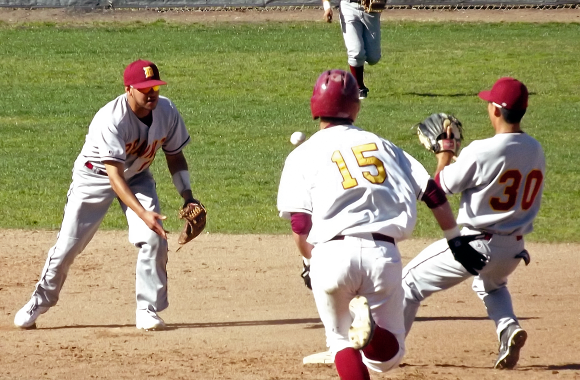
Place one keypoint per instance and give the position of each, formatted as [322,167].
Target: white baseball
[297,138]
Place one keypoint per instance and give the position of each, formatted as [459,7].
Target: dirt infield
[11,16]
[239,310]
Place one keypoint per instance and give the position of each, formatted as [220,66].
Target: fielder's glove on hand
[306,275]
[440,132]
[195,217]
[465,254]
[372,6]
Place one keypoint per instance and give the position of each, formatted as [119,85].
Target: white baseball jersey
[116,134]
[352,181]
[501,180]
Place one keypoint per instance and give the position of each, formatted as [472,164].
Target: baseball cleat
[363,92]
[511,342]
[148,320]
[362,327]
[26,317]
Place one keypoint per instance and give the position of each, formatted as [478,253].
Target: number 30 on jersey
[513,178]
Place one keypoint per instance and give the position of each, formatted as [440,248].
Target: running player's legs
[151,270]
[372,37]
[352,32]
[382,288]
[340,270]
[432,270]
[88,200]
[333,290]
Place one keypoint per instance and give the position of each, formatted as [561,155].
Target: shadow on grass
[433,95]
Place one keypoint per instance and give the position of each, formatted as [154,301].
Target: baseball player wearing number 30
[500,180]
[350,196]
[114,164]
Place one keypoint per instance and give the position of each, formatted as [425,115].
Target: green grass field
[244,88]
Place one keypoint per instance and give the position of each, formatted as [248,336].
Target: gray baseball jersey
[501,181]
[116,134]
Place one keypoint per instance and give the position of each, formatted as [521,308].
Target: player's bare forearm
[121,188]
[444,158]
[304,247]
[444,216]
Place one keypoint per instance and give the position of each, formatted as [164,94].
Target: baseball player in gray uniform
[500,180]
[121,144]
[350,196]
[361,31]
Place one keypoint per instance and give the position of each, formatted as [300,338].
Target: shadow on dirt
[560,367]
[175,326]
[454,318]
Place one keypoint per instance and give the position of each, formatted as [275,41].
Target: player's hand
[151,220]
[328,15]
[306,275]
[466,255]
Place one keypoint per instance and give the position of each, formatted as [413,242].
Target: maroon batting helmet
[335,95]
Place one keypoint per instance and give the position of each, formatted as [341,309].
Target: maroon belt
[95,169]
[376,236]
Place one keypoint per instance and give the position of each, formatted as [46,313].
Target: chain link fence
[212,5]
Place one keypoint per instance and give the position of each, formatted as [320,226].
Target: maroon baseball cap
[142,74]
[508,93]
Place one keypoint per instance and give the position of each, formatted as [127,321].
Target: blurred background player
[350,196]
[500,180]
[121,144]
[361,31]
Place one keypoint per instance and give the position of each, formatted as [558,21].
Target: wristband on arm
[434,196]
[181,181]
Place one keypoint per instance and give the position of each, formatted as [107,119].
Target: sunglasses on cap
[146,90]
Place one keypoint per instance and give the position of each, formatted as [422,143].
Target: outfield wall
[107,4]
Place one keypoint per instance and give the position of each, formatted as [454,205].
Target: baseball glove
[466,255]
[195,217]
[440,132]
[371,6]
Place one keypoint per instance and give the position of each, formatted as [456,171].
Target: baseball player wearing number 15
[500,180]
[120,145]
[351,196]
